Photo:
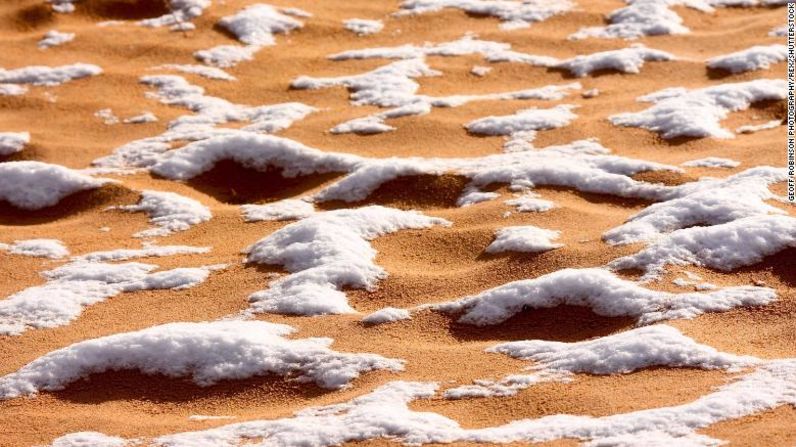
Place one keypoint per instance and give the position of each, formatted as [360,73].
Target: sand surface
[424,266]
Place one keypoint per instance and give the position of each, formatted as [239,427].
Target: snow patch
[288,209]
[13,142]
[205,352]
[325,253]
[54,38]
[48,76]
[678,112]
[32,185]
[527,239]
[363,27]
[512,14]
[72,287]
[169,212]
[755,58]
[712,162]
[386,315]
[603,292]
[39,248]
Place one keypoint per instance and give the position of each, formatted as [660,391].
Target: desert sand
[423,265]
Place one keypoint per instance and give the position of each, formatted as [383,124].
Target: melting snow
[49,76]
[169,212]
[527,238]
[54,38]
[205,352]
[325,253]
[41,248]
[697,113]
[12,142]
[79,284]
[33,185]
[200,70]
[622,353]
[386,315]
[603,292]
[712,162]
[755,58]
[513,14]
[288,209]
[363,27]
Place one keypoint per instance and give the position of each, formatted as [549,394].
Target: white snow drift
[603,292]
[169,212]
[527,239]
[363,27]
[513,14]
[622,353]
[72,287]
[205,352]
[13,142]
[385,414]
[697,113]
[48,76]
[325,253]
[755,58]
[33,185]
[39,248]
[288,209]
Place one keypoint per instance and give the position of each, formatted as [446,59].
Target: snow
[169,212]
[205,352]
[13,142]
[622,353]
[73,286]
[752,128]
[779,31]
[706,202]
[326,253]
[32,185]
[48,76]
[725,247]
[643,18]
[199,70]
[385,414]
[582,165]
[530,202]
[210,111]
[145,117]
[182,11]
[757,57]
[363,27]
[626,60]
[386,315]
[148,251]
[678,112]
[523,124]
[603,292]
[527,239]
[54,38]
[480,70]
[288,209]
[40,248]
[12,89]
[107,116]
[89,439]
[712,162]
[512,14]
[226,56]
[393,86]
[251,151]
[256,24]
